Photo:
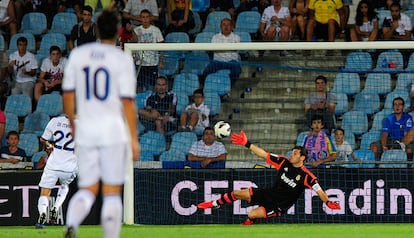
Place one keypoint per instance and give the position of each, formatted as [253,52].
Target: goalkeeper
[293,178]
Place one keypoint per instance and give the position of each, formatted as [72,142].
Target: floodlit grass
[225,231]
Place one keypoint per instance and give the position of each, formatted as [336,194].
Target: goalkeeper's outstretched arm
[241,139]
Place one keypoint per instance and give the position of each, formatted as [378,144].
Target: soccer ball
[222,129]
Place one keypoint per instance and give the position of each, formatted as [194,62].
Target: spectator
[275,24]
[51,73]
[324,21]
[225,59]
[2,125]
[118,5]
[12,153]
[253,5]
[23,65]
[222,5]
[159,112]
[133,8]
[207,150]
[196,115]
[8,21]
[396,127]
[346,12]
[84,31]
[94,3]
[343,148]
[148,60]
[299,14]
[125,33]
[397,26]
[321,103]
[366,23]
[180,16]
[319,145]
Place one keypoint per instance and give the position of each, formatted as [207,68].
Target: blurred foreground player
[293,178]
[101,90]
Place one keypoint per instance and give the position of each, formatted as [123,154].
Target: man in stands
[133,8]
[85,31]
[397,26]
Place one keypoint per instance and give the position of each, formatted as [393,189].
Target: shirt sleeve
[128,82]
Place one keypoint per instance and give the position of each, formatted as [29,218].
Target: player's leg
[229,197]
[42,205]
[88,182]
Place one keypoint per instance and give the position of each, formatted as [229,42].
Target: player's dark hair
[198,91]
[108,23]
[321,77]
[398,99]
[303,150]
[21,39]
[54,48]
[11,133]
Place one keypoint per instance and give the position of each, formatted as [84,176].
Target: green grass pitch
[224,231]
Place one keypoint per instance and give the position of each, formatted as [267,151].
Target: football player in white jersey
[61,166]
[99,91]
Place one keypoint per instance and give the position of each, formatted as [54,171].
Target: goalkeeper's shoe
[70,233]
[247,222]
[53,217]
[206,205]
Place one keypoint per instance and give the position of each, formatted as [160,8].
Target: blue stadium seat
[146,156]
[217,83]
[355,121]
[368,138]
[198,24]
[173,155]
[177,37]
[186,82]
[379,83]
[367,102]
[195,62]
[50,104]
[204,37]
[410,64]
[200,5]
[382,14]
[394,159]
[182,101]
[37,156]
[63,22]
[171,64]
[48,40]
[342,104]
[214,102]
[153,142]
[248,21]
[182,141]
[358,61]
[396,93]
[301,137]
[140,99]
[34,23]
[12,122]
[348,83]
[36,123]
[214,19]
[19,104]
[378,121]
[244,38]
[350,138]
[404,81]
[140,128]
[387,57]
[31,42]
[30,143]
[366,156]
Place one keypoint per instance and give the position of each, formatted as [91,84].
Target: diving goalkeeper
[293,178]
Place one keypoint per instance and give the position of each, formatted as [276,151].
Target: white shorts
[50,177]
[106,164]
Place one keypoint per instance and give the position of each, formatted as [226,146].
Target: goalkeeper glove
[333,205]
[240,139]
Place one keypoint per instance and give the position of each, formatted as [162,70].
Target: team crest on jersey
[286,169]
[298,177]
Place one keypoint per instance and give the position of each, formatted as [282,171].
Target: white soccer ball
[222,129]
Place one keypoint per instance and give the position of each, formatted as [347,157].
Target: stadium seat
[30,143]
[367,158]
[63,22]
[173,155]
[48,40]
[358,61]
[186,82]
[153,142]
[182,101]
[146,156]
[350,138]
[217,83]
[348,83]
[200,5]
[386,57]
[19,104]
[379,83]
[31,42]
[198,24]
[213,21]
[244,38]
[34,23]
[367,102]
[12,122]
[177,37]
[342,104]
[404,81]
[382,14]
[140,128]
[214,102]
[50,104]
[37,156]
[368,138]
[36,123]
[248,21]
[171,64]
[396,93]
[301,137]
[378,121]
[410,64]
[393,159]
[141,98]
[204,37]
[355,121]
[182,141]
[195,62]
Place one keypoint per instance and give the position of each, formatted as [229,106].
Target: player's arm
[241,139]
[130,115]
[69,108]
[46,143]
[324,197]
